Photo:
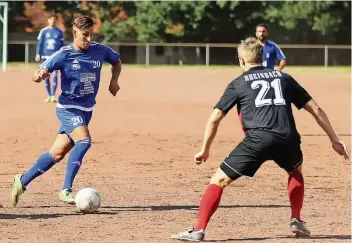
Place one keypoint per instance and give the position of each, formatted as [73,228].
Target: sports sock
[295,189]
[208,205]
[74,161]
[43,164]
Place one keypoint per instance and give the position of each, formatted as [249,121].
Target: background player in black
[263,97]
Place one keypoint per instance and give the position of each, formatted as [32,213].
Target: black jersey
[263,98]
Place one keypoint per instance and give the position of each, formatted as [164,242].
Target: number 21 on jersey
[265,86]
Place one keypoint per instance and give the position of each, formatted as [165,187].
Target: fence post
[26,52]
[207,54]
[326,56]
[147,54]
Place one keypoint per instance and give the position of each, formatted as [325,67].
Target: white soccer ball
[87,200]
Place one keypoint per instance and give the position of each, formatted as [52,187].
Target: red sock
[295,189]
[208,205]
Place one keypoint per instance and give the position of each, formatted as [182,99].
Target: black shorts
[259,146]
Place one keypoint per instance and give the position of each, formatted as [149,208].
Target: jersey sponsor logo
[268,55]
[75,65]
[87,86]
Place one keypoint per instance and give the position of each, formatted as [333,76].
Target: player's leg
[208,205]
[54,86]
[80,135]
[244,160]
[60,148]
[295,189]
[47,85]
[82,140]
[290,158]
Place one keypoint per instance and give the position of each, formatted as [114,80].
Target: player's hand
[44,73]
[340,148]
[37,58]
[201,157]
[40,75]
[114,87]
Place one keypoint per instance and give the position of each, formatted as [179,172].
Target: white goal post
[4,20]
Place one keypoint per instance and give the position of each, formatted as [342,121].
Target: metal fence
[199,53]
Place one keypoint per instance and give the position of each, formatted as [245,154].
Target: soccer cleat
[189,235]
[52,99]
[47,99]
[17,190]
[299,228]
[66,196]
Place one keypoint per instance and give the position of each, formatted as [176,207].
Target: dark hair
[262,25]
[83,22]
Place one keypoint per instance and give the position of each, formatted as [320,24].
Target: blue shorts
[72,118]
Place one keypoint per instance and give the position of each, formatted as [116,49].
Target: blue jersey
[80,73]
[50,40]
[271,53]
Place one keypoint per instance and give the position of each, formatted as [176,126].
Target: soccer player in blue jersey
[50,40]
[271,51]
[80,65]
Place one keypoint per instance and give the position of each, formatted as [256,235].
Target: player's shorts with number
[72,118]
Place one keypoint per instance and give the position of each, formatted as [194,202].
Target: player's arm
[40,45]
[62,39]
[210,133]
[115,74]
[113,57]
[322,119]
[282,64]
[226,103]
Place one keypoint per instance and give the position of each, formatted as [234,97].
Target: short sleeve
[110,55]
[54,62]
[228,99]
[279,53]
[300,96]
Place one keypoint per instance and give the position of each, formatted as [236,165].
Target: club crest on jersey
[267,55]
[75,65]
[47,35]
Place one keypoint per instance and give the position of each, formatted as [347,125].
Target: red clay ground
[141,163]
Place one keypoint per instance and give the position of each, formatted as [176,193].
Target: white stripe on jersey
[58,105]
[65,48]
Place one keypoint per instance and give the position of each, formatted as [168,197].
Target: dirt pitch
[141,162]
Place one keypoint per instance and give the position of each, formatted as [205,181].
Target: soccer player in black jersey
[263,98]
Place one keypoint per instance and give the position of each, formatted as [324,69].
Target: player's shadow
[113,210]
[36,216]
[313,237]
[182,207]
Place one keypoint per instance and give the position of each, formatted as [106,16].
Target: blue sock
[74,161]
[54,83]
[43,164]
[47,86]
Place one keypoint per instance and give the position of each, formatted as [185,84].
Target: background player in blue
[80,65]
[265,98]
[50,40]
[271,51]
